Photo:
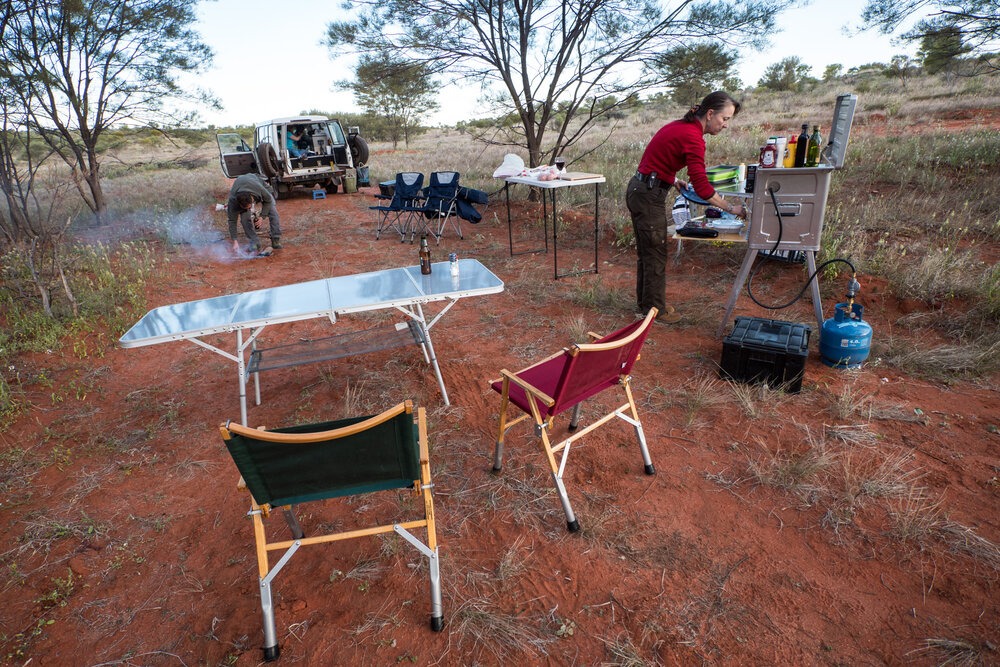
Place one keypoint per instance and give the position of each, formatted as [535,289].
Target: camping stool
[319,194]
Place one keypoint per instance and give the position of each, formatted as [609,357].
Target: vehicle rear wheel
[283,190]
[359,150]
[267,160]
[331,187]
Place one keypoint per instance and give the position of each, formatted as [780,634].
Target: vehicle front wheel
[332,187]
[283,190]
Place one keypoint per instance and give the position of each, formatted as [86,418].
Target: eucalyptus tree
[559,65]
[77,68]
[974,25]
[395,91]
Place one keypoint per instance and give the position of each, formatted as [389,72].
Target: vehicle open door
[235,155]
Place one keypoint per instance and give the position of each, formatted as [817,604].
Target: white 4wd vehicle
[320,153]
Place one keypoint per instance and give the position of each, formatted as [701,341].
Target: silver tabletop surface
[317,298]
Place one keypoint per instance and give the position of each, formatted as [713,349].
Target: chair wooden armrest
[528,388]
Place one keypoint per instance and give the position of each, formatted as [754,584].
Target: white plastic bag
[512,166]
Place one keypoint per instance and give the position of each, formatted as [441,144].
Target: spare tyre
[359,150]
[267,160]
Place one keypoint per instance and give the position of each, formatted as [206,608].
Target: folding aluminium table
[549,189]
[247,314]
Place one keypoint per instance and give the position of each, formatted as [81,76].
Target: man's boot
[276,242]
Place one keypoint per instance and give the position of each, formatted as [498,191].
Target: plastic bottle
[801,146]
[769,155]
[782,145]
[789,158]
[453,263]
[425,256]
[812,152]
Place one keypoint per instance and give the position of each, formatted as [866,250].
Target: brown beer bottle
[425,256]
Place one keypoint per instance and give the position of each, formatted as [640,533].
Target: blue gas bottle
[846,339]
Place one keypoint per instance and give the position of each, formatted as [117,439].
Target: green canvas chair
[315,462]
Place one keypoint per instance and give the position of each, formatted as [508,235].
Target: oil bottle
[801,145]
[812,152]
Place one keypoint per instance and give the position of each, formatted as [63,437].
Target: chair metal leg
[574,420]
[271,648]
[634,420]
[437,609]
[502,426]
[498,456]
[293,523]
[434,560]
[571,523]
[647,462]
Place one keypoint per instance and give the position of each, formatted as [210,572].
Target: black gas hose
[851,290]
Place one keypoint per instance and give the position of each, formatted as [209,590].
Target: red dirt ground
[127,543]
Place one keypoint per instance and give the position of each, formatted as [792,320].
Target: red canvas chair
[564,381]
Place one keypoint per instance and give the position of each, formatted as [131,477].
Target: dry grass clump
[971,359]
[956,652]
[796,472]
[700,397]
[757,400]
[504,635]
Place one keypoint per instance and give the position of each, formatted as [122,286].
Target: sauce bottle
[769,154]
[789,158]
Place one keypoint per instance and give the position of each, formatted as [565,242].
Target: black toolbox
[762,350]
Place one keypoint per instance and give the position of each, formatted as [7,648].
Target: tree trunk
[93,179]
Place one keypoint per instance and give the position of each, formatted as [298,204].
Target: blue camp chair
[402,207]
[317,462]
[440,205]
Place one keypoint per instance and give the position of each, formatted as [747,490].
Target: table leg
[241,369]
[555,235]
[597,211]
[433,356]
[510,227]
[814,287]
[734,294]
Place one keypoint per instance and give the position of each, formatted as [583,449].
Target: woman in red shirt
[676,145]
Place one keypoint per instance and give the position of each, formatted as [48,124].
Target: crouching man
[247,190]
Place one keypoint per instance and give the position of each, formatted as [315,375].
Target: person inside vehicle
[676,145]
[247,190]
[297,142]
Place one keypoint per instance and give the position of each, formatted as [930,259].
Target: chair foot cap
[437,623]
[496,470]
[650,470]
[271,653]
[573,526]
[572,427]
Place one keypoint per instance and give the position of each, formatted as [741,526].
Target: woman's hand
[739,210]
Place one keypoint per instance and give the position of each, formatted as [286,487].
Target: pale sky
[271,63]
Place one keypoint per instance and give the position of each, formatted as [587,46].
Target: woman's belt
[652,181]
